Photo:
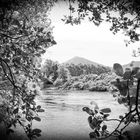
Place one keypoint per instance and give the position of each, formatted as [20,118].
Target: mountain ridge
[80,60]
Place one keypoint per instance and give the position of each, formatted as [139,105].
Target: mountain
[132,64]
[80,60]
[86,67]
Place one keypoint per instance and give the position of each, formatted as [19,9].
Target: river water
[64,119]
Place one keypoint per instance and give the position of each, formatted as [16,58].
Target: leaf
[101,113]
[2,116]
[106,115]
[16,110]
[6,60]
[23,107]
[125,18]
[135,70]
[104,127]
[96,111]
[95,105]
[120,116]
[92,122]
[97,133]
[37,134]
[124,99]
[54,42]
[120,100]
[132,100]
[123,92]
[33,103]
[34,86]
[29,118]
[114,95]
[5,85]
[138,74]
[127,75]
[23,121]
[36,130]
[35,92]
[133,90]
[32,112]
[38,107]
[122,86]
[92,135]
[16,22]
[41,110]
[37,119]
[106,110]
[118,69]
[89,111]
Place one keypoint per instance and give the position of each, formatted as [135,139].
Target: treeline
[91,82]
[80,69]
[78,77]
[52,70]
[62,72]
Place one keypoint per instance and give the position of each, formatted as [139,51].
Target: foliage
[58,82]
[50,69]
[91,82]
[98,88]
[77,70]
[97,120]
[59,74]
[122,15]
[128,85]
[25,34]
[63,73]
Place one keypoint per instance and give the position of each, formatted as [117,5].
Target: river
[64,119]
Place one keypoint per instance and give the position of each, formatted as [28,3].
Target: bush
[98,88]
[78,85]
[58,82]
[91,82]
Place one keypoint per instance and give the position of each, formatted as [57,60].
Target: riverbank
[91,82]
[59,90]
[64,119]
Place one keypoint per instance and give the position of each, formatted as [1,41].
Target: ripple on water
[64,117]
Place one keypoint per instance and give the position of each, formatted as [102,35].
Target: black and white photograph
[69,70]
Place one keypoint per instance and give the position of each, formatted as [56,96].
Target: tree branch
[137,97]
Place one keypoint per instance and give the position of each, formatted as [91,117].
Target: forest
[80,77]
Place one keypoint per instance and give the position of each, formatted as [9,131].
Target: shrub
[128,86]
[78,85]
[58,82]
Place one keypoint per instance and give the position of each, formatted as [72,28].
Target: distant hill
[132,64]
[80,60]
[86,67]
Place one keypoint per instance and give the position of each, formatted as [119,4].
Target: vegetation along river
[64,119]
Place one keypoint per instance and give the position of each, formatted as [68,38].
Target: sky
[86,40]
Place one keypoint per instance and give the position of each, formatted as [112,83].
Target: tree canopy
[25,34]
[123,15]
[50,69]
